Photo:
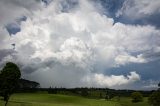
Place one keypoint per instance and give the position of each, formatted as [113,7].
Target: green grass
[44,99]
[126,101]
[37,99]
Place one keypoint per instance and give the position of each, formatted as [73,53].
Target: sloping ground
[36,99]
[127,102]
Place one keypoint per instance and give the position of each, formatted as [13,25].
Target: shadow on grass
[21,103]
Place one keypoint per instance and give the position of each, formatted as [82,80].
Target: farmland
[44,99]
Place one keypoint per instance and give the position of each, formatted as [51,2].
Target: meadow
[126,101]
[44,99]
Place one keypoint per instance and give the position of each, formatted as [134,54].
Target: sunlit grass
[36,99]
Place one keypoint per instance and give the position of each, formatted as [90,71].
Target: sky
[83,43]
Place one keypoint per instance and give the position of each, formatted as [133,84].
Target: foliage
[126,101]
[104,93]
[23,83]
[52,90]
[137,97]
[154,99]
[9,77]
[109,95]
[84,92]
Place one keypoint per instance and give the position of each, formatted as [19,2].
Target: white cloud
[63,49]
[136,9]
[74,50]
[124,59]
[113,80]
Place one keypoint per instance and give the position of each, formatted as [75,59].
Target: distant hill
[23,83]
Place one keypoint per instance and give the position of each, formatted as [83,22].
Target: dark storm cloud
[36,64]
[5,52]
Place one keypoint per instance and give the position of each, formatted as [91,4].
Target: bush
[154,99]
[137,97]
[84,92]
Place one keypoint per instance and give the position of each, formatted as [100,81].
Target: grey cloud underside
[144,12]
[5,52]
[13,9]
[72,44]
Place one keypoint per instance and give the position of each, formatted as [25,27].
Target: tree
[9,78]
[84,92]
[100,95]
[154,99]
[52,90]
[109,95]
[137,97]
[23,83]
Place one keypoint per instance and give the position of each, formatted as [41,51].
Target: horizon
[83,43]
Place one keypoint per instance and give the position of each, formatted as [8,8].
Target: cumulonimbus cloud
[65,48]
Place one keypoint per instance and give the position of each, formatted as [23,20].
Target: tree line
[11,82]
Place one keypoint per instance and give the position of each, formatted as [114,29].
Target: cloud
[74,50]
[110,81]
[13,9]
[150,84]
[138,9]
[64,48]
[124,59]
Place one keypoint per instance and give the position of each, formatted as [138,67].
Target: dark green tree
[106,97]
[100,95]
[84,92]
[109,95]
[154,99]
[137,97]
[9,77]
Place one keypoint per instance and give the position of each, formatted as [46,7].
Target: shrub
[137,97]
[154,99]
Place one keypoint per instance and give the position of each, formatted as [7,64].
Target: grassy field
[40,99]
[55,100]
[127,102]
